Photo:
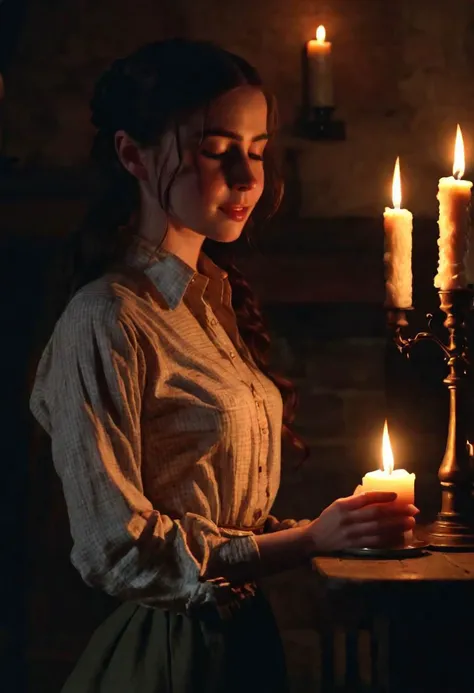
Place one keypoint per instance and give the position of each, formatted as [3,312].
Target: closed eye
[222,155]
[212,155]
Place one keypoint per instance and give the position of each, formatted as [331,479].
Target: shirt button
[232,354]
[213,322]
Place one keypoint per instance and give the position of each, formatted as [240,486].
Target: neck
[182,242]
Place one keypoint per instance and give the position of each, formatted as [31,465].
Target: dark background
[403,80]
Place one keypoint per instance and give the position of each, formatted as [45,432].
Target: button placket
[260,409]
[263,490]
[225,343]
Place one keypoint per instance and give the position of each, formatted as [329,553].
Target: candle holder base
[445,534]
[413,550]
[318,124]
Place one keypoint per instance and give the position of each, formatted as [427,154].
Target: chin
[225,233]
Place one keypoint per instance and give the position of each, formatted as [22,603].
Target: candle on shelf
[399,481]
[398,226]
[319,62]
[454,195]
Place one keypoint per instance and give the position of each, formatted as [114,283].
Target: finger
[372,512]
[386,540]
[374,542]
[363,499]
[381,528]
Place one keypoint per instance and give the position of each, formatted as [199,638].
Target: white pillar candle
[319,60]
[456,261]
[398,481]
[398,226]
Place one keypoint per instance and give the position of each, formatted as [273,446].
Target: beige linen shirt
[164,432]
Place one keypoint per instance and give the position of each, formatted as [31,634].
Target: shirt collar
[172,276]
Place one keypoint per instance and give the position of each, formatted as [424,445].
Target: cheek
[195,191]
[186,197]
[260,179]
[212,184]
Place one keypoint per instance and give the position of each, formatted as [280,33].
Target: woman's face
[221,177]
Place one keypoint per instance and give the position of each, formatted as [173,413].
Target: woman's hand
[367,520]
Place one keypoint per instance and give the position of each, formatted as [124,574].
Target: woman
[165,421]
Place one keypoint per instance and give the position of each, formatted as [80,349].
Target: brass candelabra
[454,526]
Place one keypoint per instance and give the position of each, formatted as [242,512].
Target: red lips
[235,212]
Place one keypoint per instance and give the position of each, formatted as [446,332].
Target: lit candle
[398,481]
[398,225]
[454,195]
[320,85]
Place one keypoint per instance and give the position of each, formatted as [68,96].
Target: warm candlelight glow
[397,186]
[321,34]
[387,454]
[459,163]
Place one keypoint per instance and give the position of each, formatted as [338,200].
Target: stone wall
[402,71]
[403,81]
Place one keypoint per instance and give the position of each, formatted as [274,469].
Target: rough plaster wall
[402,71]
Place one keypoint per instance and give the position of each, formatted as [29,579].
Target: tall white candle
[398,226]
[320,80]
[456,261]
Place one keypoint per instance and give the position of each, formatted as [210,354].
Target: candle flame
[321,34]
[459,162]
[397,186]
[387,454]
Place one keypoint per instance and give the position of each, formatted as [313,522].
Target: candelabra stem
[454,526]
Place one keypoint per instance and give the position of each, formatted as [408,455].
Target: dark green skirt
[141,650]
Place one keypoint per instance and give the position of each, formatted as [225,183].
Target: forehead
[242,110]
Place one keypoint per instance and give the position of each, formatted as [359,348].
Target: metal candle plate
[415,549]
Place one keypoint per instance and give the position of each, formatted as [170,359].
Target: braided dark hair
[157,88]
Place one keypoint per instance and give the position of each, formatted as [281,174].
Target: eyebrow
[219,132]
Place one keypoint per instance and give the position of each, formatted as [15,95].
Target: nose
[239,175]
[245,181]
[251,184]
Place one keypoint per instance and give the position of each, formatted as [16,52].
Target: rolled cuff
[238,559]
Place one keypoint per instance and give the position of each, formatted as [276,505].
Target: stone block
[320,413]
[347,364]
[286,355]
[364,413]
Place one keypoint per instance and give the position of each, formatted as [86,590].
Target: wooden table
[417,614]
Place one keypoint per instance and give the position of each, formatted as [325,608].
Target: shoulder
[106,305]
[115,295]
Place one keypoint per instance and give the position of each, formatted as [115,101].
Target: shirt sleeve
[88,396]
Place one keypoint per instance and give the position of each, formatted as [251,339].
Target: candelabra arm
[429,336]
[396,321]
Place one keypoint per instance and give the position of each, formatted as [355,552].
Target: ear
[131,155]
